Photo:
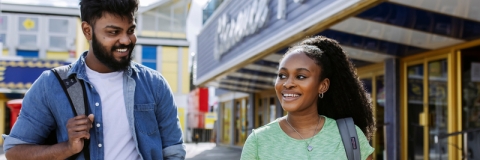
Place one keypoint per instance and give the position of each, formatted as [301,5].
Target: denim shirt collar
[78,68]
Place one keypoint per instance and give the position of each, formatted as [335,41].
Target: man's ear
[324,85]
[87,30]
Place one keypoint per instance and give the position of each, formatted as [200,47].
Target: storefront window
[415,109]
[471,102]
[240,121]
[227,108]
[437,109]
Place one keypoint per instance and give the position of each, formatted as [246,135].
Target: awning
[17,76]
[395,28]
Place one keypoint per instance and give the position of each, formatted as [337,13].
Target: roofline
[66,11]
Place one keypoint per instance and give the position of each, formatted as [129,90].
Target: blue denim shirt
[149,102]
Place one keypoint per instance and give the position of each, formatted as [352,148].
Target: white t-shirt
[118,140]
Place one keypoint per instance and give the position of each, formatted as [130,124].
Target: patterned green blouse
[270,142]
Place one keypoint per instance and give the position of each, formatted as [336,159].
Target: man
[133,114]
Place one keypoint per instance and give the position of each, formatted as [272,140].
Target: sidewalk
[208,151]
[200,151]
[2,155]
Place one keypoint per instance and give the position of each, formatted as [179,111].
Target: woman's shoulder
[268,129]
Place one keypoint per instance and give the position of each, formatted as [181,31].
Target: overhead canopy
[394,28]
[17,76]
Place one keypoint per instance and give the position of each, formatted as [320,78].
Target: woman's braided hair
[346,96]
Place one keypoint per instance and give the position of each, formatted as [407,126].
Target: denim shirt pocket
[145,119]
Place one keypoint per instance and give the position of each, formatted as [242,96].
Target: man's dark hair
[91,10]
[346,96]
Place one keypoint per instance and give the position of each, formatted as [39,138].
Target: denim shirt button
[96,104]
[98,124]
[100,145]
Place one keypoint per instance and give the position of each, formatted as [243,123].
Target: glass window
[3,38]
[149,21]
[27,40]
[58,26]
[58,42]
[28,24]
[3,23]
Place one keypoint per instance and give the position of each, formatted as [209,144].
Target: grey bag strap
[74,89]
[77,96]
[348,132]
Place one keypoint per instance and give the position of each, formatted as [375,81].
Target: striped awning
[17,76]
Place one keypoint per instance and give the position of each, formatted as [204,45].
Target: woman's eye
[282,76]
[113,32]
[301,77]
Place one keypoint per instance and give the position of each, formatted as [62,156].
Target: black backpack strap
[348,132]
[77,96]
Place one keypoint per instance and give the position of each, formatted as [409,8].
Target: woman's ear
[323,87]
[87,30]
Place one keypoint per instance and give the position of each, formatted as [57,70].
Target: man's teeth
[121,50]
[291,95]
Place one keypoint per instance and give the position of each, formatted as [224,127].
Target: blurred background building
[418,59]
[38,35]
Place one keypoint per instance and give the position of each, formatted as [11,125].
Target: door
[470,60]
[428,107]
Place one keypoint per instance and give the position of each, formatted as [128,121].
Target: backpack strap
[348,132]
[77,96]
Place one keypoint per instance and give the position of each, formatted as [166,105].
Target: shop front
[16,77]
[417,59]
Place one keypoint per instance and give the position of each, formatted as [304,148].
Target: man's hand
[78,129]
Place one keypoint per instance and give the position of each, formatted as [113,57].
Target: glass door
[470,60]
[373,82]
[427,116]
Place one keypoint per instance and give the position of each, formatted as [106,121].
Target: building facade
[37,38]
[417,60]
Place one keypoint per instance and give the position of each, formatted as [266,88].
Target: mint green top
[270,142]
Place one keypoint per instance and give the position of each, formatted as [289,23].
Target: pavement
[2,155]
[200,151]
[211,151]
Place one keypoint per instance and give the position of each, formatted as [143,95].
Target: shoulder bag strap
[77,96]
[348,132]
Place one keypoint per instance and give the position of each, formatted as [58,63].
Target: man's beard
[107,59]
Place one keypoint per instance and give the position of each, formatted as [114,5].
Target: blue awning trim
[371,44]
[422,20]
[21,74]
[251,81]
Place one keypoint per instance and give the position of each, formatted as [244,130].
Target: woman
[316,84]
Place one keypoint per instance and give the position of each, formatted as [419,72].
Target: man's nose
[125,40]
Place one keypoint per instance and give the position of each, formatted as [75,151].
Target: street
[200,151]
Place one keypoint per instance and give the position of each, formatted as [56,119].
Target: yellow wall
[170,66]
[82,44]
[57,55]
[185,73]
[163,34]
[181,117]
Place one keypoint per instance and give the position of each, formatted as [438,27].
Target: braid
[346,96]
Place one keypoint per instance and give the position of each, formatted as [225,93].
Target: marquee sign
[232,30]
